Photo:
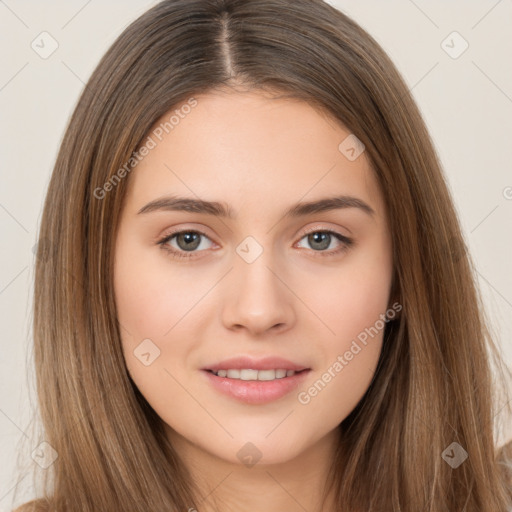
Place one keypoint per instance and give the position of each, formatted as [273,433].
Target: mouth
[251,374]
[255,387]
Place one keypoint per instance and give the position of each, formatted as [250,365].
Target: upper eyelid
[314,229]
[345,241]
[172,234]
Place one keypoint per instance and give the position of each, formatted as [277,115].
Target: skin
[260,156]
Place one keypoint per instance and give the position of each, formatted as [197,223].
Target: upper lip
[247,362]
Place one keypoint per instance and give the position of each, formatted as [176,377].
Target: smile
[247,386]
[250,374]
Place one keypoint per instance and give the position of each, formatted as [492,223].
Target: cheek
[352,299]
[152,298]
[353,354]
[152,301]
[351,305]
[152,293]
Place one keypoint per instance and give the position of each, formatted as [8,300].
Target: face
[272,278]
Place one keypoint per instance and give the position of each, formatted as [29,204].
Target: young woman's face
[273,278]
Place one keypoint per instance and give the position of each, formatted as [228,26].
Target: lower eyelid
[167,238]
[344,241]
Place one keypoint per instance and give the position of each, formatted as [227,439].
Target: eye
[187,242]
[320,240]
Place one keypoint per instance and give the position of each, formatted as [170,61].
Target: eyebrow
[220,209]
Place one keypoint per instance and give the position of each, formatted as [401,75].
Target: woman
[193,350]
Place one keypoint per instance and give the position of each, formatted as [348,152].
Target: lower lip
[256,392]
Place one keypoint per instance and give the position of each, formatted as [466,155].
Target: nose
[257,298]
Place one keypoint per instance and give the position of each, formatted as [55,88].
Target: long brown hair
[434,385]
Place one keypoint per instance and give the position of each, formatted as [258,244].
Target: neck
[293,485]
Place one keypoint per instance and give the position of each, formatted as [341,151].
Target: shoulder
[38,505]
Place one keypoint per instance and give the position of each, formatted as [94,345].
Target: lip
[247,362]
[255,392]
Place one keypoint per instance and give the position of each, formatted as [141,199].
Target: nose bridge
[257,298]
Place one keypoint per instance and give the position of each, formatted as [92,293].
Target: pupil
[322,238]
[191,240]
[188,238]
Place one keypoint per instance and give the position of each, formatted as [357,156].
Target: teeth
[255,374]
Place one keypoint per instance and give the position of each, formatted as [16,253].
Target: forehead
[249,148]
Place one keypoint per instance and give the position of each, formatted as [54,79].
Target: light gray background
[466,103]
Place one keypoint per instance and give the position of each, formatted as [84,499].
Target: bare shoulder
[38,505]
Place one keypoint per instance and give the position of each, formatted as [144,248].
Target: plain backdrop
[465,95]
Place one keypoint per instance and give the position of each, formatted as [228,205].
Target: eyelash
[346,243]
